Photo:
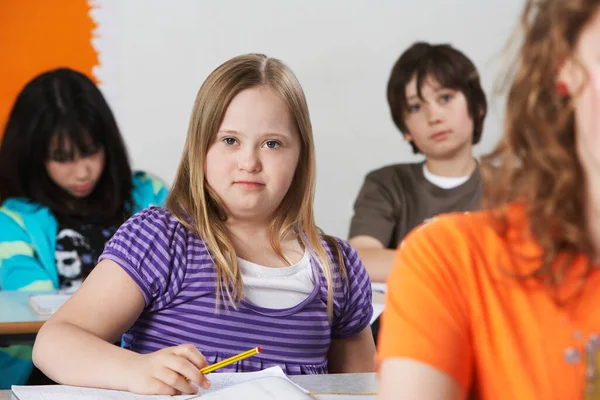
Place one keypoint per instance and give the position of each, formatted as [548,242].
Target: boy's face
[439,124]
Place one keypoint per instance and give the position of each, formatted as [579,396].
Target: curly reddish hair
[536,160]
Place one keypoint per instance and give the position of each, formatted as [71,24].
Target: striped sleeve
[355,307]
[150,247]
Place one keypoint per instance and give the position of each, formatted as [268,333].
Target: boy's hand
[164,371]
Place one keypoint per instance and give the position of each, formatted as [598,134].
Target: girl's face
[79,175]
[253,158]
[587,102]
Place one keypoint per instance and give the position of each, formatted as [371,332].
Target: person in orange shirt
[505,303]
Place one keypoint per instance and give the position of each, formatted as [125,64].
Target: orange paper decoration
[39,35]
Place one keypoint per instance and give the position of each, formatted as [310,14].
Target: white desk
[346,383]
[378,305]
[18,322]
[337,383]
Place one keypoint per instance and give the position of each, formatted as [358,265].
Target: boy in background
[437,102]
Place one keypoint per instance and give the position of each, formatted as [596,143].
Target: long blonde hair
[536,161]
[198,207]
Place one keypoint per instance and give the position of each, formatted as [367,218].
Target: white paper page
[63,392]
[219,381]
[261,388]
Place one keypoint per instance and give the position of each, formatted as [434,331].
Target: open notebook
[270,383]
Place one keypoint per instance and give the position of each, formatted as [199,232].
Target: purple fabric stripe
[272,351]
[272,326]
[249,335]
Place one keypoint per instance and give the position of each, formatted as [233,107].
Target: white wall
[156,53]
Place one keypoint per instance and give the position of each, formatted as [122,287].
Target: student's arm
[373,225]
[75,345]
[353,354]
[424,346]
[20,268]
[376,258]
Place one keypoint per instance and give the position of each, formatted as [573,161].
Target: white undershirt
[277,288]
[445,182]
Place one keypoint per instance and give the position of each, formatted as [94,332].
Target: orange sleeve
[426,315]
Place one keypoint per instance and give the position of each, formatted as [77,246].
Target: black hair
[66,106]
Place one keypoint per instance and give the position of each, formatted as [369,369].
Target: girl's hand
[165,371]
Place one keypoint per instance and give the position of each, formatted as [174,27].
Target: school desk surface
[333,383]
[18,322]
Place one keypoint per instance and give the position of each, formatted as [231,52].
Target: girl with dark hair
[65,187]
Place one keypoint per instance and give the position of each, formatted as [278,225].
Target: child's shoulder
[22,206]
[155,233]
[348,253]
[395,171]
[147,190]
[19,214]
[351,280]
[330,242]
[157,217]
[158,225]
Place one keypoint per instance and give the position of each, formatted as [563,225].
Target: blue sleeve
[354,305]
[160,198]
[20,268]
[148,191]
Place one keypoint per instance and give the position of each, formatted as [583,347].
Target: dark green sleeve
[375,211]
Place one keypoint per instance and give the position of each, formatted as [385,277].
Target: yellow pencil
[230,360]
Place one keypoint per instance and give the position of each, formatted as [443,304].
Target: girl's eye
[229,141]
[414,108]
[272,144]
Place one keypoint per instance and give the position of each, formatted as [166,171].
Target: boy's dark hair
[67,105]
[451,68]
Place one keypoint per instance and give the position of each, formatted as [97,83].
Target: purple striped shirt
[174,270]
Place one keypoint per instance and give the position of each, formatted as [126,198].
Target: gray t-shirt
[395,199]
